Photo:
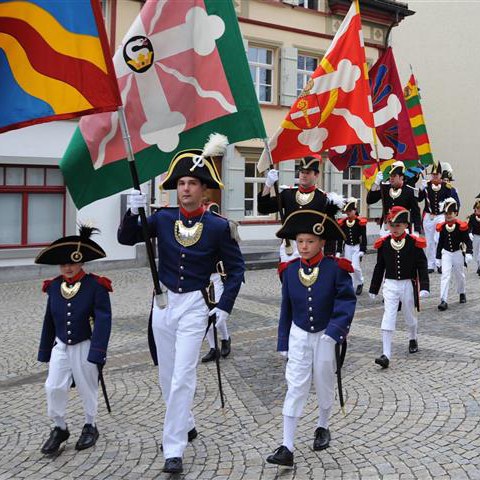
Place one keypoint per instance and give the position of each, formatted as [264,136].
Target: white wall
[441,43]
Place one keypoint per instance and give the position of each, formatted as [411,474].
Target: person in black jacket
[401,261]
[474,230]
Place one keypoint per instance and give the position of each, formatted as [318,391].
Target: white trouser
[452,261]
[283,254]
[476,249]
[223,331]
[395,291]
[352,253]
[430,223]
[309,357]
[178,330]
[65,362]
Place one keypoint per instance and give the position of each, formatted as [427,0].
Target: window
[254,183]
[305,67]
[260,61]
[352,183]
[310,4]
[32,202]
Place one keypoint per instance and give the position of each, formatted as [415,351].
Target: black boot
[281,456]
[431,270]
[359,289]
[443,306]
[478,270]
[225,350]
[413,346]
[383,361]
[88,437]
[210,356]
[439,270]
[192,434]
[173,465]
[463,298]
[322,439]
[56,438]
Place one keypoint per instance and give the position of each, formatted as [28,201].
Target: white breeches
[395,291]
[352,253]
[309,358]
[452,261]
[283,254]
[430,223]
[476,249]
[65,362]
[178,330]
[223,331]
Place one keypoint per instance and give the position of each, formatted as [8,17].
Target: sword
[104,388]
[340,352]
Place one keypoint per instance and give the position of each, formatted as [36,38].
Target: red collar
[401,237]
[76,278]
[314,260]
[195,213]
[307,189]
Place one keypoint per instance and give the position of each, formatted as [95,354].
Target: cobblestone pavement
[416,420]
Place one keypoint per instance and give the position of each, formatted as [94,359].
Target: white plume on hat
[216,145]
[336,199]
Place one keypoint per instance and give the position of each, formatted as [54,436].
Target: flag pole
[159,294]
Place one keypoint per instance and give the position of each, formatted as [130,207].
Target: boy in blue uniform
[318,304]
[190,242]
[75,334]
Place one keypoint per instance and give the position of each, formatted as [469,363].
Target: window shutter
[233,173]
[288,76]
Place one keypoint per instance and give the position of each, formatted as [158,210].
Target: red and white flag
[335,106]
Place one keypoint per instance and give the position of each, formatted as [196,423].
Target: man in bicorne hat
[190,242]
[402,267]
[306,195]
[474,230]
[454,251]
[433,192]
[395,192]
[75,334]
[318,304]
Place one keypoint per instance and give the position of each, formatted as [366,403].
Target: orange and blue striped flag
[54,62]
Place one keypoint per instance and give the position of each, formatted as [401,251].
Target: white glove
[137,200]
[379,178]
[272,177]
[468,258]
[372,295]
[438,263]
[284,354]
[424,184]
[327,338]
[361,254]
[338,254]
[221,317]
[424,294]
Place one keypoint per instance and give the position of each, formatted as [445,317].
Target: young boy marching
[75,334]
[355,244]
[454,251]
[402,262]
[474,229]
[318,304]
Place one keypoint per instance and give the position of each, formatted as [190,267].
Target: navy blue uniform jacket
[329,304]
[88,315]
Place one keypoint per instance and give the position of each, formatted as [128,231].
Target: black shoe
[322,439]
[359,289]
[383,361]
[192,434]
[413,346]
[173,465]
[463,298]
[57,436]
[443,306]
[431,270]
[478,271]
[225,350]
[281,456]
[210,356]
[88,437]
[439,270]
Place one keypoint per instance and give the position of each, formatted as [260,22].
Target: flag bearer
[75,334]
[355,244]
[318,304]
[402,267]
[454,251]
[474,229]
[190,242]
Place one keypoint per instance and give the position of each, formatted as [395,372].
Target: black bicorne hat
[350,204]
[309,163]
[310,221]
[398,214]
[449,205]
[436,168]
[72,249]
[398,167]
[476,202]
[447,171]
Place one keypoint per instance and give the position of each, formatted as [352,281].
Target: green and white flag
[183,74]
